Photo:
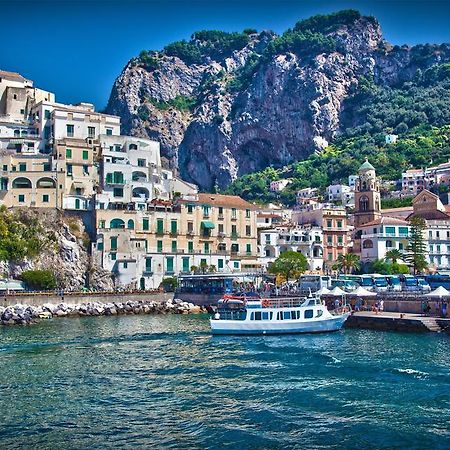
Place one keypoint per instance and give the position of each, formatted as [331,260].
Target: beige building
[141,247]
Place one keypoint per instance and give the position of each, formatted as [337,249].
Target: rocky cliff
[226,104]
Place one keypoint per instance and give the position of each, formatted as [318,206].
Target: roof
[366,166]
[230,201]
[6,74]
[431,215]
[386,220]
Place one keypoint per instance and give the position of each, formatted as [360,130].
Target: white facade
[341,193]
[279,185]
[352,181]
[391,139]
[438,241]
[306,240]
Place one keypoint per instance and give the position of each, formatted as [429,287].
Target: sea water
[165,382]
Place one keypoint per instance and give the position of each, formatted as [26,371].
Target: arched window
[367,244]
[117,223]
[45,183]
[364,203]
[139,176]
[130,224]
[389,243]
[141,193]
[21,183]
[132,147]
[364,186]
[24,133]
[16,133]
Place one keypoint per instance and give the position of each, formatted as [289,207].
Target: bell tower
[367,195]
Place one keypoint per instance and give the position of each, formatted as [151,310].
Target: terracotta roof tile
[6,74]
[228,201]
[386,220]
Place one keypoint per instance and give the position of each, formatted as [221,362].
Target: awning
[208,225]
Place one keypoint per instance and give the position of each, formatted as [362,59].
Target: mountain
[227,104]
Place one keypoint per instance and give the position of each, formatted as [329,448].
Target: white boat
[241,315]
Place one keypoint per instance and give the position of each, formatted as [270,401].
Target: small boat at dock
[241,314]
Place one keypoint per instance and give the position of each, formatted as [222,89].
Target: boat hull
[240,327]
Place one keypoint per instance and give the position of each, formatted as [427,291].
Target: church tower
[367,196]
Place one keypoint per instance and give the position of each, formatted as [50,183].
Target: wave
[415,373]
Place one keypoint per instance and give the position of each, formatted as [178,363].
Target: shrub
[43,280]
[169,284]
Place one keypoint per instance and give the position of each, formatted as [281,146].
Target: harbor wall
[385,323]
[39,299]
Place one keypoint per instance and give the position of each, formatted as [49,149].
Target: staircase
[431,324]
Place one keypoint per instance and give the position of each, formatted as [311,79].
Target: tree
[399,269]
[39,279]
[289,264]
[380,266]
[416,249]
[347,263]
[393,255]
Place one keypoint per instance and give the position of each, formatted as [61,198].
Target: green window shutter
[174,246]
[22,167]
[85,154]
[169,263]
[403,231]
[159,246]
[113,243]
[68,153]
[249,248]
[390,230]
[100,246]
[206,247]
[145,224]
[113,256]
[148,264]
[220,263]
[109,177]
[45,198]
[77,203]
[173,227]
[160,226]
[185,264]
[190,246]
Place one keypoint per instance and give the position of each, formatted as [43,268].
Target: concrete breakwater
[20,314]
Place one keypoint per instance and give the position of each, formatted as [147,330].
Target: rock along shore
[24,314]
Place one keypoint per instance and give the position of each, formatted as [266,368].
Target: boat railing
[341,310]
[287,302]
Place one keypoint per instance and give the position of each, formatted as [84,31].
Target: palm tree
[348,262]
[393,255]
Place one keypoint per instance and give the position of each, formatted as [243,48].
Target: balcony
[220,216]
[234,236]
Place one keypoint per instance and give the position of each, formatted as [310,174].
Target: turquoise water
[164,382]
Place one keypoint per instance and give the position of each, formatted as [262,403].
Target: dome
[366,166]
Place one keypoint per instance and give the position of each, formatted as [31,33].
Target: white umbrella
[337,291]
[362,292]
[323,291]
[438,293]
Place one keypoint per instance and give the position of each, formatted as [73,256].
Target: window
[329,223]
[85,169]
[248,249]
[100,245]
[169,264]
[329,239]
[340,240]
[159,246]
[148,264]
[330,257]
[400,246]
[22,111]
[46,167]
[248,230]
[109,132]
[174,246]
[77,203]
[190,227]
[173,227]
[85,154]
[159,226]
[236,264]
[257,315]
[113,243]
[339,223]
[145,224]
[190,209]
[220,227]
[69,169]
[390,231]
[364,203]
[102,224]
[286,315]
[21,198]
[205,210]
[141,162]
[389,244]
[118,192]
[130,224]
[70,130]
[46,114]
[190,247]
[22,167]
[185,264]
[220,263]
[220,211]
[247,213]
[91,132]
[113,256]
[68,153]
[367,244]
[233,231]
[125,265]
[233,213]
[309,313]
[403,231]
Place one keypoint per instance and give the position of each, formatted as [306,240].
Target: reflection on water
[164,382]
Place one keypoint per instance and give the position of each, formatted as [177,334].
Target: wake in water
[415,373]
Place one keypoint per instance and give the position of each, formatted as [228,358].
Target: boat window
[279,315]
[271,315]
[287,315]
[265,315]
[319,312]
[298,314]
[293,315]
[311,302]
[257,315]
[309,313]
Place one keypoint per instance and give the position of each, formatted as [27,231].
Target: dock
[397,322]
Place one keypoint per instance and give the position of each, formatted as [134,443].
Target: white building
[352,181]
[341,193]
[306,240]
[279,185]
[306,193]
[382,235]
[391,138]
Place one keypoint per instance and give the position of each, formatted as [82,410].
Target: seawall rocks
[25,314]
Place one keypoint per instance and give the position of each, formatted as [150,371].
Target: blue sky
[77,48]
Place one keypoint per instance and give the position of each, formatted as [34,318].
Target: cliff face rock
[65,253]
[220,112]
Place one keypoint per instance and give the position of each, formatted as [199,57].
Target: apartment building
[307,240]
[142,246]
